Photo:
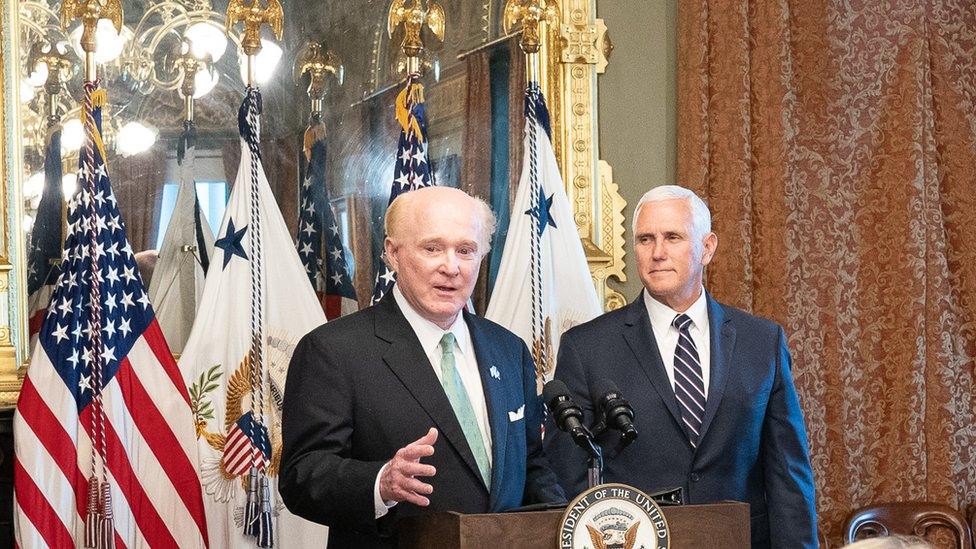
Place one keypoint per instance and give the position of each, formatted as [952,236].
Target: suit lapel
[722,335]
[495,397]
[406,358]
[640,338]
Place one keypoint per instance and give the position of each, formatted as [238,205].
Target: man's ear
[709,245]
[389,253]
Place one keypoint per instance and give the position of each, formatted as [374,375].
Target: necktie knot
[447,343]
[681,322]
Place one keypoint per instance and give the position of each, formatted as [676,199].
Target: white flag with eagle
[543,286]
[256,305]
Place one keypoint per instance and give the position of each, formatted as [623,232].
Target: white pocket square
[517,414]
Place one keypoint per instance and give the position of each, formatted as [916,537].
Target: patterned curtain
[138,185]
[476,151]
[835,143]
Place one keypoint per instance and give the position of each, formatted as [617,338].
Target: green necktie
[451,381]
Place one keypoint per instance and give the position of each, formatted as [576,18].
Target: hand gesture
[398,481]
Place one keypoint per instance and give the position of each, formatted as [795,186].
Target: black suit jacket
[361,387]
[753,444]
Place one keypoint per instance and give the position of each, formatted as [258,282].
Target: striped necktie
[689,386]
[456,393]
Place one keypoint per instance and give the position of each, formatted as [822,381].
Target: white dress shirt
[666,335]
[466,363]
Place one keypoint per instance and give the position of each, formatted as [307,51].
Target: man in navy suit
[710,385]
[414,405]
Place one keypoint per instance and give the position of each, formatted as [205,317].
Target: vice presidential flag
[103,435]
[319,243]
[256,305]
[412,169]
[184,257]
[543,286]
[44,247]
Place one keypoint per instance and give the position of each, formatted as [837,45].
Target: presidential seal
[613,516]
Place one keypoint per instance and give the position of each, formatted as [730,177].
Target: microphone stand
[594,467]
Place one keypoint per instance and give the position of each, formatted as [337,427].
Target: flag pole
[99,522]
[258,514]
[533,15]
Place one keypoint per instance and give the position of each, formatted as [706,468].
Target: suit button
[695,477]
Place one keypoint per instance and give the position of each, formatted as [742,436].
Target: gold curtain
[835,143]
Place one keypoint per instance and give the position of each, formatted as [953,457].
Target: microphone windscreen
[554,389]
[601,387]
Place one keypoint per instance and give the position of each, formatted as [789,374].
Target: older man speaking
[414,405]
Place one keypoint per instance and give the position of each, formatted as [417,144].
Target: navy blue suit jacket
[361,387]
[753,445]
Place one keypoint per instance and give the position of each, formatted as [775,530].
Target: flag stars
[61,332]
[337,278]
[336,253]
[110,302]
[127,300]
[306,248]
[124,327]
[144,300]
[73,359]
[108,355]
[113,274]
[109,328]
[334,229]
[128,273]
[84,383]
[231,243]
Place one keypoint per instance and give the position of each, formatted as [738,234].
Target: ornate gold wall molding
[576,52]
[11,322]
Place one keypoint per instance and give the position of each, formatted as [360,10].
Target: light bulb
[34,185]
[134,138]
[69,185]
[206,38]
[204,82]
[266,61]
[72,135]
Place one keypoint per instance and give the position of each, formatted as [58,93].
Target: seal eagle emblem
[613,516]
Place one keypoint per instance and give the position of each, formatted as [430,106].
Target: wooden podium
[706,526]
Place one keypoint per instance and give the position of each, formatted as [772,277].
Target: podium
[723,524]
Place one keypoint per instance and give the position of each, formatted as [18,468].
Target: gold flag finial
[319,62]
[90,11]
[413,17]
[57,57]
[530,13]
[189,65]
[253,16]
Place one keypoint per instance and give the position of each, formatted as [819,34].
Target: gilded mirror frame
[574,52]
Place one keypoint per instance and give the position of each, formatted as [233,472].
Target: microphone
[567,415]
[617,412]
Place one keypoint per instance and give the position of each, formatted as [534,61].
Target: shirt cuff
[381,507]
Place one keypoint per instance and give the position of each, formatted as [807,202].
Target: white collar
[661,315]
[428,333]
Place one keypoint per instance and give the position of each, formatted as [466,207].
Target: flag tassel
[106,523]
[91,514]
[251,506]
[265,523]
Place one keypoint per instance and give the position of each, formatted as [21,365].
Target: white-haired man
[710,384]
[414,405]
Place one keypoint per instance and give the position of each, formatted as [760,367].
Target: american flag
[103,398]
[244,436]
[412,170]
[319,243]
[44,248]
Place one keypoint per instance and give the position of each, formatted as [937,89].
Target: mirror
[474,83]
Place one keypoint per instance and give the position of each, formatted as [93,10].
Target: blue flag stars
[541,211]
[231,242]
